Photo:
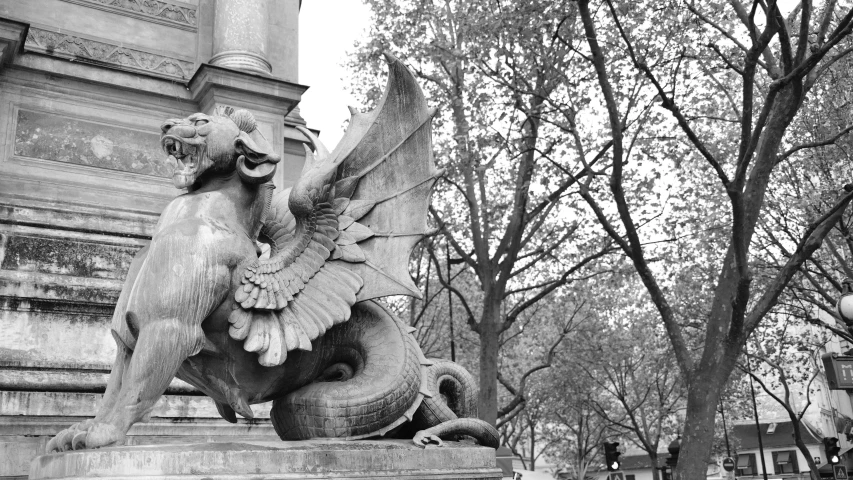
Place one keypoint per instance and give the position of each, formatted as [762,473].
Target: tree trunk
[801,445]
[655,471]
[698,435]
[532,445]
[487,406]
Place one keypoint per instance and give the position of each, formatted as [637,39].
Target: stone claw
[87,434]
[78,442]
[424,439]
[52,445]
[62,441]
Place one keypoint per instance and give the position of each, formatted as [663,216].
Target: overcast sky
[327,30]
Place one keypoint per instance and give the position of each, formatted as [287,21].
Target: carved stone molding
[172,13]
[88,50]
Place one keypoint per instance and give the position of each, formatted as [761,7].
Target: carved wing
[345,232]
[385,181]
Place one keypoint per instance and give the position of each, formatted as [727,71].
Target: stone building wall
[84,86]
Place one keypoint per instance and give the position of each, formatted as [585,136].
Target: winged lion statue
[298,323]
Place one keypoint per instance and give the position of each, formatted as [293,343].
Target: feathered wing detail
[289,299]
[385,180]
[346,230]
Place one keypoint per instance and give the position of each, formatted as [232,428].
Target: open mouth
[182,153]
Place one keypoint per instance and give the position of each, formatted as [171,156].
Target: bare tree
[503,207]
[524,434]
[575,427]
[769,63]
[795,414]
[645,392]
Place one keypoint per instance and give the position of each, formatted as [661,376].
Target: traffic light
[832,450]
[611,456]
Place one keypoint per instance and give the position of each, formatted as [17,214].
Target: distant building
[828,415]
[639,467]
[634,467]
[781,455]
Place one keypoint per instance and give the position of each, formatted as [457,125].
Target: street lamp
[844,307]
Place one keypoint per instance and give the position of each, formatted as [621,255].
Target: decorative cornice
[166,12]
[77,47]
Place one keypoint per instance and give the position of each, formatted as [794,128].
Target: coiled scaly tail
[371,384]
[451,410]
[375,378]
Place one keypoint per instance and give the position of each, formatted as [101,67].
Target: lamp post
[755,413]
[725,429]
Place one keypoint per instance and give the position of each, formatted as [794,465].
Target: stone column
[240,36]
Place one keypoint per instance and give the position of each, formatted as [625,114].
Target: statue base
[279,460]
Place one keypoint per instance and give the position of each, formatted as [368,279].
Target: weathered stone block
[65,257]
[312,459]
[71,140]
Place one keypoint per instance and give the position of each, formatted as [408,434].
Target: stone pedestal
[313,459]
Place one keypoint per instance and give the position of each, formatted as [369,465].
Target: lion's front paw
[97,435]
[88,434]
[62,441]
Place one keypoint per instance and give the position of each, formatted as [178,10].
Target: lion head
[203,146]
